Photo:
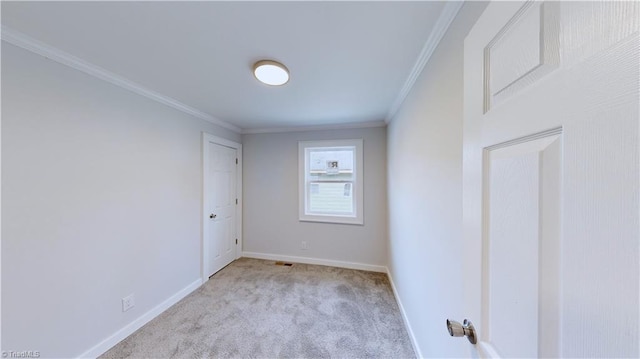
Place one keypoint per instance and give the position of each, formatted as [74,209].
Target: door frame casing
[206,138]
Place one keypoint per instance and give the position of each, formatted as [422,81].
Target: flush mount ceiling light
[271,72]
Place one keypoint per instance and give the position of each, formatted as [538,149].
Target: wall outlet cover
[128,302]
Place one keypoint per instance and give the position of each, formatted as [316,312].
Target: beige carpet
[256,309]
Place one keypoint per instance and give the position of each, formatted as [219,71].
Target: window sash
[342,204]
[348,202]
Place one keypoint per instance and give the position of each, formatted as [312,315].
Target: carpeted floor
[256,309]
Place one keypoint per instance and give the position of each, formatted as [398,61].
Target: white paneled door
[551,178]
[220,206]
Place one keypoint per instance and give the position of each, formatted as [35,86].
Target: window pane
[331,161]
[331,197]
[330,181]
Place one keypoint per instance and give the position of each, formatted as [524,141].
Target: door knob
[465,329]
[212,215]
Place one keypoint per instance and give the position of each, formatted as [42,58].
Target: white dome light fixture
[271,72]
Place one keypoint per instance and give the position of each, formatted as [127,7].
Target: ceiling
[349,61]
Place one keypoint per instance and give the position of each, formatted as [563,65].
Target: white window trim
[358,182]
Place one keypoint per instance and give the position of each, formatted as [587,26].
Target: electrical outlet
[128,302]
[303,245]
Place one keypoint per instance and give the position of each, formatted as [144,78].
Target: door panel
[551,176]
[521,240]
[524,50]
[221,206]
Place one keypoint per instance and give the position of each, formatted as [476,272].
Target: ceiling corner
[25,42]
[445,19]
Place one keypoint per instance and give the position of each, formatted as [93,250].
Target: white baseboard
[121,334]
[407,325]
[322,262]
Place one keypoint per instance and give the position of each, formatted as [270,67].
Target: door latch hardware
[465,329]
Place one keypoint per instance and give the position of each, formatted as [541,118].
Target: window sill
[332,219]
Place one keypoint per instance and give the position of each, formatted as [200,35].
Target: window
[330,175]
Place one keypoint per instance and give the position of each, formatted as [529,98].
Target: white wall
[270,192]
[101,198]
[425,195]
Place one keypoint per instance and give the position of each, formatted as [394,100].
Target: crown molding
[30,44]
[439,29]
[343,126]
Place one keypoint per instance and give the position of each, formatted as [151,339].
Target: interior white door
[551,177]
[221,199]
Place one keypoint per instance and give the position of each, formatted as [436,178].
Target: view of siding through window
[331,180]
